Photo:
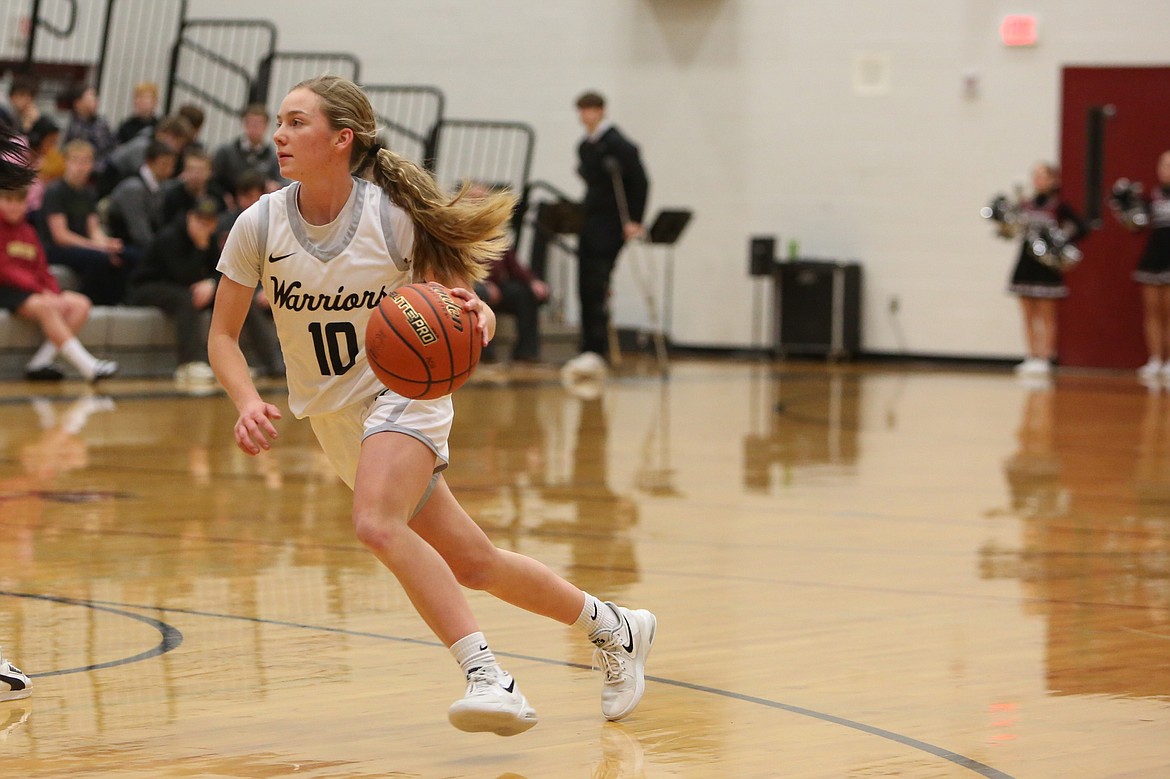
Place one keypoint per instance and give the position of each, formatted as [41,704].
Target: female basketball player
[1037,284]
[1153,274]
[328,238]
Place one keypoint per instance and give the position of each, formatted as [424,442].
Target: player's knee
[376,533]
[476,570]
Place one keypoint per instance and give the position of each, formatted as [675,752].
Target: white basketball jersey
[323,291]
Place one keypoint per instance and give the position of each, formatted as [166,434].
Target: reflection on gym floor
[857,571]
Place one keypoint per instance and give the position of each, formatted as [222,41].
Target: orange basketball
[421,343]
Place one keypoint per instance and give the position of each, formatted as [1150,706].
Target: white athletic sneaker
[195,372]
[493,703]
[14,684]
[621,656]
[586,365]
[1034,366]
[1151,369]
[104,369]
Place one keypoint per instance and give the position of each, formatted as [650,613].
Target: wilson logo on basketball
[416,321]
[454,310]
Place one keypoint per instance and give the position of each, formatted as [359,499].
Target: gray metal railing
[498,153]
[214,64]
[409,118]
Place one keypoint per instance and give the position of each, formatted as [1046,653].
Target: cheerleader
[1153,271]
[1038,281]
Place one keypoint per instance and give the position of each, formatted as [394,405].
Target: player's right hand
[254,429]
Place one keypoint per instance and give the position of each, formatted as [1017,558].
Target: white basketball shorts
[342,432]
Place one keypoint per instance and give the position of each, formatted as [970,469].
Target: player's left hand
[485,318]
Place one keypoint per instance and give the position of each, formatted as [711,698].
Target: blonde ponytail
[455,237]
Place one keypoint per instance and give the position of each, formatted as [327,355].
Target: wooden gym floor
[858,572]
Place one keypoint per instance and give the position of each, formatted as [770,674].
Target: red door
[1101,320]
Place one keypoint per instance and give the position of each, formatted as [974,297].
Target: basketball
[421,343]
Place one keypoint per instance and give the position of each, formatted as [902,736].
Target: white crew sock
[596,617]
[44,356]
[472,651]
[79,357]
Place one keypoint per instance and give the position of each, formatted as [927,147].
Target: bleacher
[222,65]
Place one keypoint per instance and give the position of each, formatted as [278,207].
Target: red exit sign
[1018,30]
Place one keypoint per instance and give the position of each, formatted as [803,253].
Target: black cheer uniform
[1032,278]
[1154,266]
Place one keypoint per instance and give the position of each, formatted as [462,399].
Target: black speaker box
[820,307]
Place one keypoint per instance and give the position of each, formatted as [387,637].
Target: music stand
[669,225]
[665,231]
[562,217]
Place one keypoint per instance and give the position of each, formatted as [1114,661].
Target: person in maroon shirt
[513,288]
[30,291]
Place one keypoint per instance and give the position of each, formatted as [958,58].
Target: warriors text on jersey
[323,283]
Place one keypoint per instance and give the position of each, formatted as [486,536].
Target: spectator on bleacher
[135,211]
[175,131]
[30,291]
[72,232]
[616,188]
[248,188]
[178,275]
[191,185]
[44,143]
[145,114]
[196,116]
[252,150]
[511,288]
[22,99]
[85,124]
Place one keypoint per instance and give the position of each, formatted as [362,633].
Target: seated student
[72,232]
[29,291]
[85,124]
[252,150]
[511,288]
[144,116]
[174,131]
[136,205]
[191,185]
[196,116]
[22,97]
[178,276]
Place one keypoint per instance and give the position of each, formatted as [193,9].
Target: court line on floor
[172,637]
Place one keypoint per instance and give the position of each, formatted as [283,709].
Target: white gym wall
[870,129]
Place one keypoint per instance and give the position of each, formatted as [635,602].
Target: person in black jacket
[616,188]
[135,208]
[178,276]
[252,150]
